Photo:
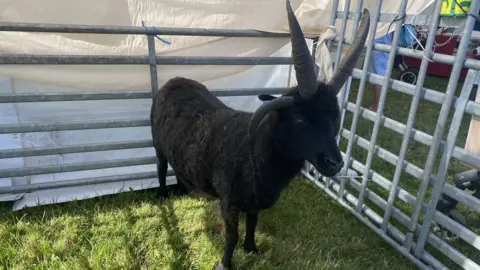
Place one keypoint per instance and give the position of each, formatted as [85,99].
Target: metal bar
[134,30]
[445,160]
[455,193]
[78,125]
[417,135]
[467,235]
[473,107]
[436,57]
[370,213]
[435,241]
[29,152]
[80,182]
[342,36]
[361,89]
[76,96]
[339,56]
[62,168]
[416,19]
[412,114]
[333,18]
[83,96]
[442,119]
[381,105]
[344,94]
[404,219]
[346,85]
[22,59]
[346,91]
[153,64]
[358,16]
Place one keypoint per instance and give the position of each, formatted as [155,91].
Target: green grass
[133,230]
[304,230]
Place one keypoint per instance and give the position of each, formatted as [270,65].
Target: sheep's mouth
[327,173]
[326,169]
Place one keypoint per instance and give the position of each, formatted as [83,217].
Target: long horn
[302,59]
[264,110]
[349,61]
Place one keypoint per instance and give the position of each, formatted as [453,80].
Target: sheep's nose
[336,165]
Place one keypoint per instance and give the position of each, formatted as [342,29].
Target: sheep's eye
[300,121]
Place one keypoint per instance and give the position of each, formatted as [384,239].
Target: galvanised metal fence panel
[151,59]
[409,233]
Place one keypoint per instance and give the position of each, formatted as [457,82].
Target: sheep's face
[307,117]
[307,131]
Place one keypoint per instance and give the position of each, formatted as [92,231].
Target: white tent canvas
[266,15]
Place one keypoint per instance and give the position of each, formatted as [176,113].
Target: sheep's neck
[275,169]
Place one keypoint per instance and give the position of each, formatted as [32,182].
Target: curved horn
[302,59]
[349,61]
[264,110]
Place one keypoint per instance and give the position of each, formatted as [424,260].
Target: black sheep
[245,159]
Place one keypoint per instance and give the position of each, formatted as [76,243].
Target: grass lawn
[304,230]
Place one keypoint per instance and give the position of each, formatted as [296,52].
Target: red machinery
[442,70]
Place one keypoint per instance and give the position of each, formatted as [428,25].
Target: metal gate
[409,233]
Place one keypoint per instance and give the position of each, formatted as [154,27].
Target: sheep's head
[307,117]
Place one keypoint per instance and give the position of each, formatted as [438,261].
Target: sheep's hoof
[219,267]
[162,194]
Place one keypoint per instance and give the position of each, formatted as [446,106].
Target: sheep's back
[190,126]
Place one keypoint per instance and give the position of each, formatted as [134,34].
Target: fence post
[383,97]
[347,85]
[152,60]
[333,18]
[412,114]
[442,119]
[339,56]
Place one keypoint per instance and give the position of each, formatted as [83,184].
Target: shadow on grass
[174,236]
[305,230]
[134,230]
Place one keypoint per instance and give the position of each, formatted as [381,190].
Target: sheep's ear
[266,98]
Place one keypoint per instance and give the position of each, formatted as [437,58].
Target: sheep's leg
[249,243]
[162,168]
[230,217]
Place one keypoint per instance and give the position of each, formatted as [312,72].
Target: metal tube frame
[461,154]
[452,135]
[411,169]
[387,231]
[464,233]
[79,96]
[345,93]
[412,114]
[442,119]
[447,154]
[381,103]
[361,90]
[337,62]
